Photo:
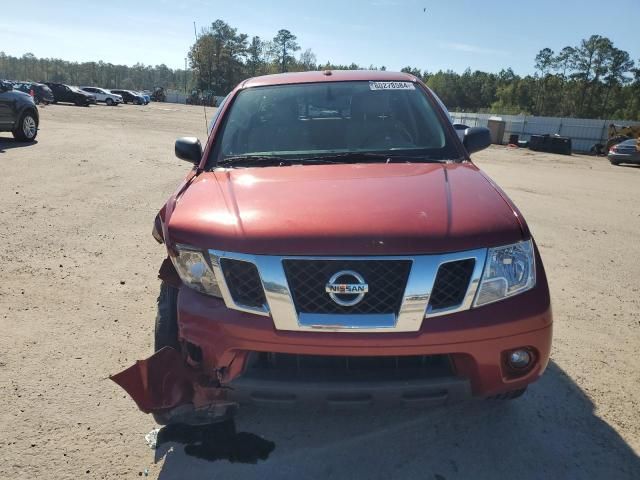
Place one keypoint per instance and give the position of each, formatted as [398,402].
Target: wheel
[109,102]
[77,102]
[27,128]
[166,328]
[613,162]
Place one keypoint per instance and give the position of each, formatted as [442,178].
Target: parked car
[146,96]
[104,95]
[68,94]
[334,244]
[129,96]
[625,152]
[41,93]
[18,113]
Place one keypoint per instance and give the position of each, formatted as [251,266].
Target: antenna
[197,52]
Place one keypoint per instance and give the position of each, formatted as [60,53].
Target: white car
[104,95]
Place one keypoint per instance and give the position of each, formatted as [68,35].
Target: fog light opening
[519,359]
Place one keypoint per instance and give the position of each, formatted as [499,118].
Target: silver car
[625,152]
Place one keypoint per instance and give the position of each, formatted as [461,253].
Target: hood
[361,209]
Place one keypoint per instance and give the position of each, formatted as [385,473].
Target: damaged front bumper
[167,387]
[207,387]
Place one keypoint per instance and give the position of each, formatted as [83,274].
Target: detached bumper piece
[166,387]
[335,382]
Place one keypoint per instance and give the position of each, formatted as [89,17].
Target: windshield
[333,118]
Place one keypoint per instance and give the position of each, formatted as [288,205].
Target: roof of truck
[328,76]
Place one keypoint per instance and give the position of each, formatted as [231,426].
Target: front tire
[166,328]
[27,128]
[109,102]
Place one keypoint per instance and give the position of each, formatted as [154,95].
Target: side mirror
[189,149]
[476,139]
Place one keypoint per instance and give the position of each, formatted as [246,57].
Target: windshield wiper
[254,160]
[336,158]
[358,157]
[274,161]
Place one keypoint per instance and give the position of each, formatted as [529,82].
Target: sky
[488,35]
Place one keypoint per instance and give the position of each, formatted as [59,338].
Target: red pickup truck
[335,245]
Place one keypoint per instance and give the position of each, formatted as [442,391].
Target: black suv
[65,93]
[18,113]
[129,96]
[41,93]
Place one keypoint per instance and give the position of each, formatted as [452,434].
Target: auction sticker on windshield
[391,86]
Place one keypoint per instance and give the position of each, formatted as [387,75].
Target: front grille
[451,284]
[387,280]
[324,367]
[243,282]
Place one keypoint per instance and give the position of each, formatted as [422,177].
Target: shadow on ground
[7,143]
[551,432]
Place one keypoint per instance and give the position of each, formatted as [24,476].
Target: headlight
[195,271]
[508,271]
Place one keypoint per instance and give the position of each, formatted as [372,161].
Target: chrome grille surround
[413,310]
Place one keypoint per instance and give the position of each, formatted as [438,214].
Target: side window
[216,115]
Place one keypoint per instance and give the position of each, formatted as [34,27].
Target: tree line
[593,79]
[108,75]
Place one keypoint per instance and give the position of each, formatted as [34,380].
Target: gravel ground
[77,303]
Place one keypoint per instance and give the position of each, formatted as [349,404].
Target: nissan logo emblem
[345,292]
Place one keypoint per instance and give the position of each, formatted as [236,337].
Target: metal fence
[176,97]
[584,133]
[173,96]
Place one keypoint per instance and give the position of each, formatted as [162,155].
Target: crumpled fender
[159,383]
[164,384]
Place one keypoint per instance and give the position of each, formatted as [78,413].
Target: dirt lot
[77,302]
